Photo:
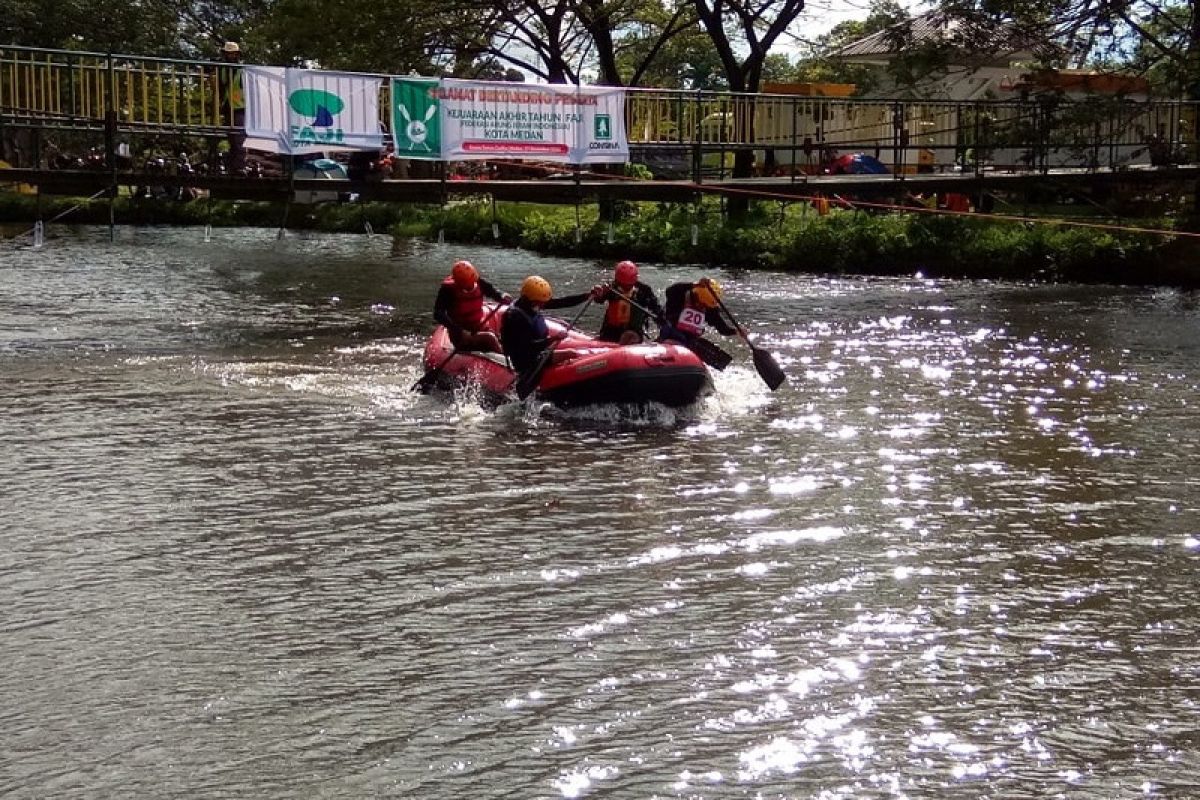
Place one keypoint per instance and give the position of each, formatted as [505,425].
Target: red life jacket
[618,312]
[467,310]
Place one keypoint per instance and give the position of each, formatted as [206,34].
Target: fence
[688,132]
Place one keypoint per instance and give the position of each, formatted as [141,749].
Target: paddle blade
[527,385]
[425,382]
[768,369]
[709,353]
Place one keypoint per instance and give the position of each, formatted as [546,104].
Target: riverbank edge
[792,238]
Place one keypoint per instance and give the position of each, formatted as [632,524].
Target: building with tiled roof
[969,69]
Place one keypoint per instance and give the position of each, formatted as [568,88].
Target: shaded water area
[955,556]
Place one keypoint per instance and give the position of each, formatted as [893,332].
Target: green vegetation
[798,239]
[792,238]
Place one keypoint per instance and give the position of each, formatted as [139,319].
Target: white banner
[546,122]
[300,111]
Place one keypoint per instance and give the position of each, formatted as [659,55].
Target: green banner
[416,126]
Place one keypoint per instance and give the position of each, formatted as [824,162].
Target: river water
[955,556]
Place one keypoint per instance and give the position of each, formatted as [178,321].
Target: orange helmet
[464,274]
[707,292]
[536,289]
[626,273]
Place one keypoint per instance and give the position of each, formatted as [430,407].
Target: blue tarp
[858,164]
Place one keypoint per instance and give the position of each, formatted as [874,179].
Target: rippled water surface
[955,556]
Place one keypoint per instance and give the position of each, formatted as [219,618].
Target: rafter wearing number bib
[691,309]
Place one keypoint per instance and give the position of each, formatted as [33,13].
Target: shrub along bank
[790,238]
[795,238]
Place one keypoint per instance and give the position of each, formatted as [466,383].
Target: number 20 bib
[691,320]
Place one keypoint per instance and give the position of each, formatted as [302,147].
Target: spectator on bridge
[232,100]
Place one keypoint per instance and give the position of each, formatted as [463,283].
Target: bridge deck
[91,182]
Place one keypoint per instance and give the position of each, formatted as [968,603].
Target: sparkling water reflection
[954,556]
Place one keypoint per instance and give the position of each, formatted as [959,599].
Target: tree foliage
[1158,38]
[398,36]
[150,27]
[816,64]
[743,33]
[693,44]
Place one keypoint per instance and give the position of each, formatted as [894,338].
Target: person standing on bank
[691,307]
[232,99]
[624,322]
[459,307]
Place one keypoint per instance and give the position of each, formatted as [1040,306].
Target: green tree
[629,37]
[146,27]
[743,32]
[817,63]
[668,49]
[1158,38]
[398,36]
[624,41]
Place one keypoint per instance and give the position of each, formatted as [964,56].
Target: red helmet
[626,273]
[464,274]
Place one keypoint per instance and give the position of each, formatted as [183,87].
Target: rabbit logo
[417,130]
[416,121]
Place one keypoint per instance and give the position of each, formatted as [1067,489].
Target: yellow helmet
[536,289]
[707,292]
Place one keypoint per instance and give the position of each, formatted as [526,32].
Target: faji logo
[321,106]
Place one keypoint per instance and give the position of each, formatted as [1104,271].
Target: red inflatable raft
[669,374]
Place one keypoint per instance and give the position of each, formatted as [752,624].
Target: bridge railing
[67,89]
[699,131]
[791,133]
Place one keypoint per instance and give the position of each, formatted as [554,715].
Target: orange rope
[972,214]
[760,194]
[765,195]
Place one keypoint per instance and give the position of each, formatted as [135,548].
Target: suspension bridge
[85,124]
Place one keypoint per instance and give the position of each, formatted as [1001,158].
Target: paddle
[708,352]
[526,384]
[764,362]
[425,382]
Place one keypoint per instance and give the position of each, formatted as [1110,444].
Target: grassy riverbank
[791,238]
[796,238]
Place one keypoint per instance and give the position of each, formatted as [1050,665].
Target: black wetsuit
[524,332]
[676,300]
[643,295]
[445,302]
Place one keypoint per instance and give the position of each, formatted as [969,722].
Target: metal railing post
[897,165]
[795,133]
[110,146]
